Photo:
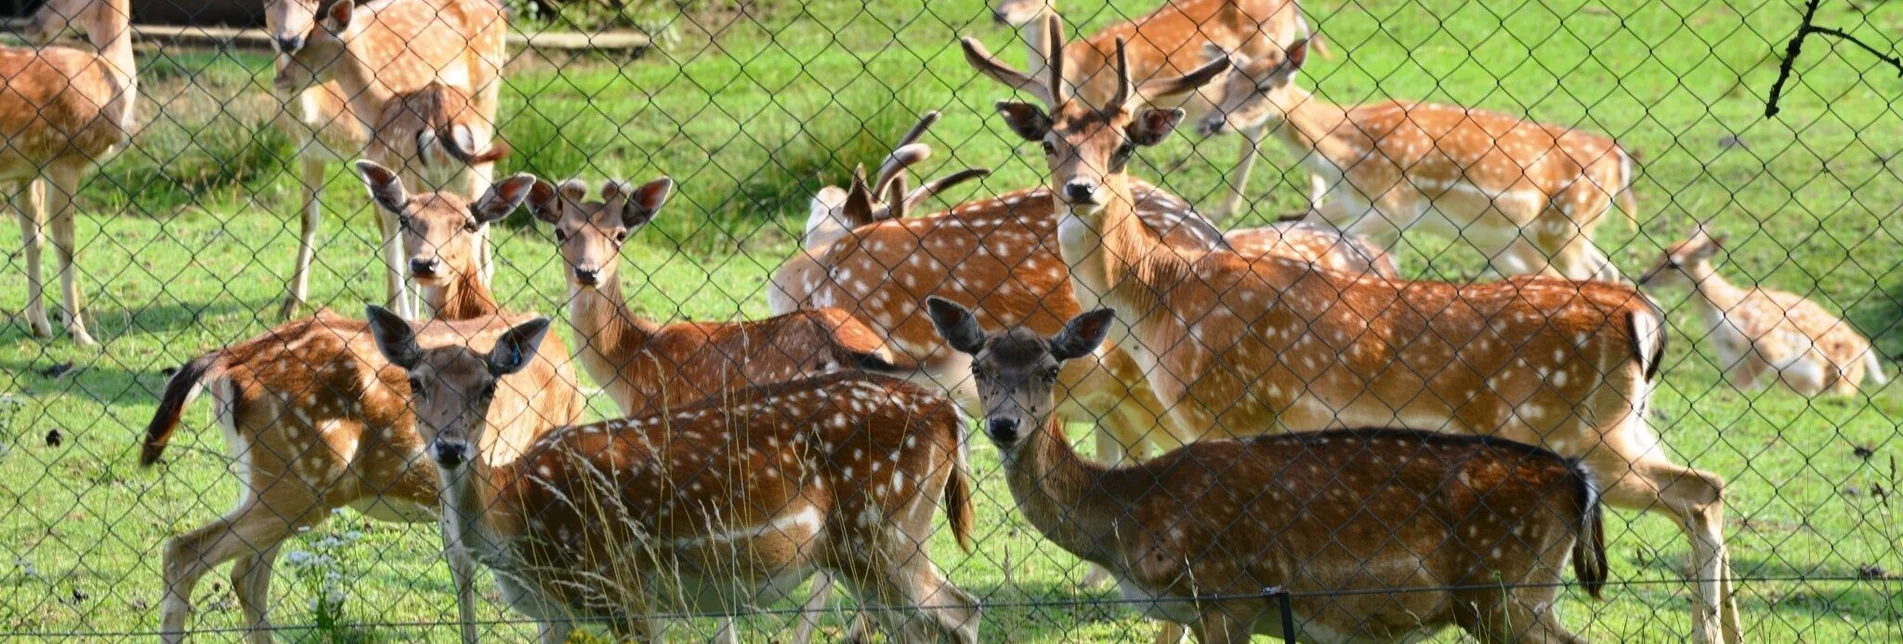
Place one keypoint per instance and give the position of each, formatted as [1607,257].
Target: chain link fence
[1333,234]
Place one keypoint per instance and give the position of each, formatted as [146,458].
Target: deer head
[1686,262]
[440,228]
[101,21]
[589,234]
[451,387]
[1018,13]
[1256,91]
[1016,369]
[324,42]
[1088,148]
[289,22]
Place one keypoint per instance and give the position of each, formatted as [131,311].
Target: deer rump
[1382,509]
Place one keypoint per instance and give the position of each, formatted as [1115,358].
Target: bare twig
[1791,51]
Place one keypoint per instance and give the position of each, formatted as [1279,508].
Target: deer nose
[1214,125]
[1003,430]
[424,267]
[997,16]
[1080,191]
[587,276]
[289,44]
[451,455]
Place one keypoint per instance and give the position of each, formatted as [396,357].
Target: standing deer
[1759,332]
[62,112]
[1378,535]
[1526,195]
[1230,341]
[440,58]
[736,498]
[316,421]
[1166,42]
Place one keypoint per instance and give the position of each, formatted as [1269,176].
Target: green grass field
[187,239]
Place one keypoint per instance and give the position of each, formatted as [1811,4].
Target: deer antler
[895,204]
[1129,94]
[989,65]
[907,153]
[1055,27]
[942,184]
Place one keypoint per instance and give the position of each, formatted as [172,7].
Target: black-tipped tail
[178,392]
[1589,549]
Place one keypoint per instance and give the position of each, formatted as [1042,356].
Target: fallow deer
[835,211]
[1166,42]
[1378,535]
[396,52]
[1229,341]
[1759,332]
[63,110]
[733,499]
[435,137]
[1527,195]
[314,417]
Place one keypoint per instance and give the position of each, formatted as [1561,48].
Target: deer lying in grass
[62,112]
[1371,531]
[1231,341]
[1759,332]
[1526,195]
[705,506]
[835,211]
[1166,42]
[317,422]
[440,58]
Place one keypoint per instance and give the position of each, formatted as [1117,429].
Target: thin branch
[1796,47]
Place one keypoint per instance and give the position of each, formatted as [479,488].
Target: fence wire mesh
[1409,215]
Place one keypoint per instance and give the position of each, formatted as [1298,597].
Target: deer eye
[621,236]
[560,235]
[1050,375]
[980,373]
[489,391]
[416,386]
[471,226]
[1050,148]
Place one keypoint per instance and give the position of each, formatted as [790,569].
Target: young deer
[316,421]
[1527,195]
[1379,535]
[1166,42]
[1228,341]
[835,211]
[727,501]
[1758,331]
[408,52]
[64,110]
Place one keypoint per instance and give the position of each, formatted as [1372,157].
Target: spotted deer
[1165,42]
[1762,334]
[314,417]
[1230,341]
[1527,195]
[835,211]
[1378,535]
[443,55]
[63,111]
[703,506]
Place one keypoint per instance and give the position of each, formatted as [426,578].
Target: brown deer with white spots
[1527,195]
[1230,341]
[835,211]
[1166,42]
[63,110]
[710,505]
[440,58]
[315,418]
[1763,335]
[1379,535]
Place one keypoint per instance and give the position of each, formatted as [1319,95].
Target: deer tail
[1589,549]
[179,392]
[1628,201]
[958,509]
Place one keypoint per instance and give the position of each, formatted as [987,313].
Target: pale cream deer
[1763,335]
[390,52]
[709,505]
[315,419]
[63,110]
[1229,341]
[1527,195]
[1379,535]
[1166,42]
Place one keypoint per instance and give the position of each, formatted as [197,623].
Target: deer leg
[928,607]
[1696,500]
[462,573]
[312,215]
[815,604]
[254,529]
[29,202]
[251,582]
[1239,178]
[1219,625]
[1168,632]
[63,185]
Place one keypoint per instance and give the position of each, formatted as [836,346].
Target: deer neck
[478,511]
[1114,257]
[463,297]
[1060,494]
[1317,129]
[1714,294]
[356,79]
[113,39]
[613,342]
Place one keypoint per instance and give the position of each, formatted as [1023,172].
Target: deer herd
[1279,407]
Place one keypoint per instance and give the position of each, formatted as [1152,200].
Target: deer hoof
[289,309]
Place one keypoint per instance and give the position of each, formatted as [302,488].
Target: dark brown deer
[1379,535]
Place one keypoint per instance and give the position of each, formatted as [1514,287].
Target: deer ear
[339,15]
[1213,52]
[545,203]
[1082,335]
[1028,120]
[517,347]
[1152,126]
[647,200]
[956,324]
[395,339]
[384,187]
[857,211]
[504,197]
[1298,55]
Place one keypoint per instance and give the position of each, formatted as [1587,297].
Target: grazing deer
[835,211]
[442,55]
[729,500]
[62,112]
[1379,535]
[1166,42]
[1527,195]
[1758,331]
[315,419]
[1229,341]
